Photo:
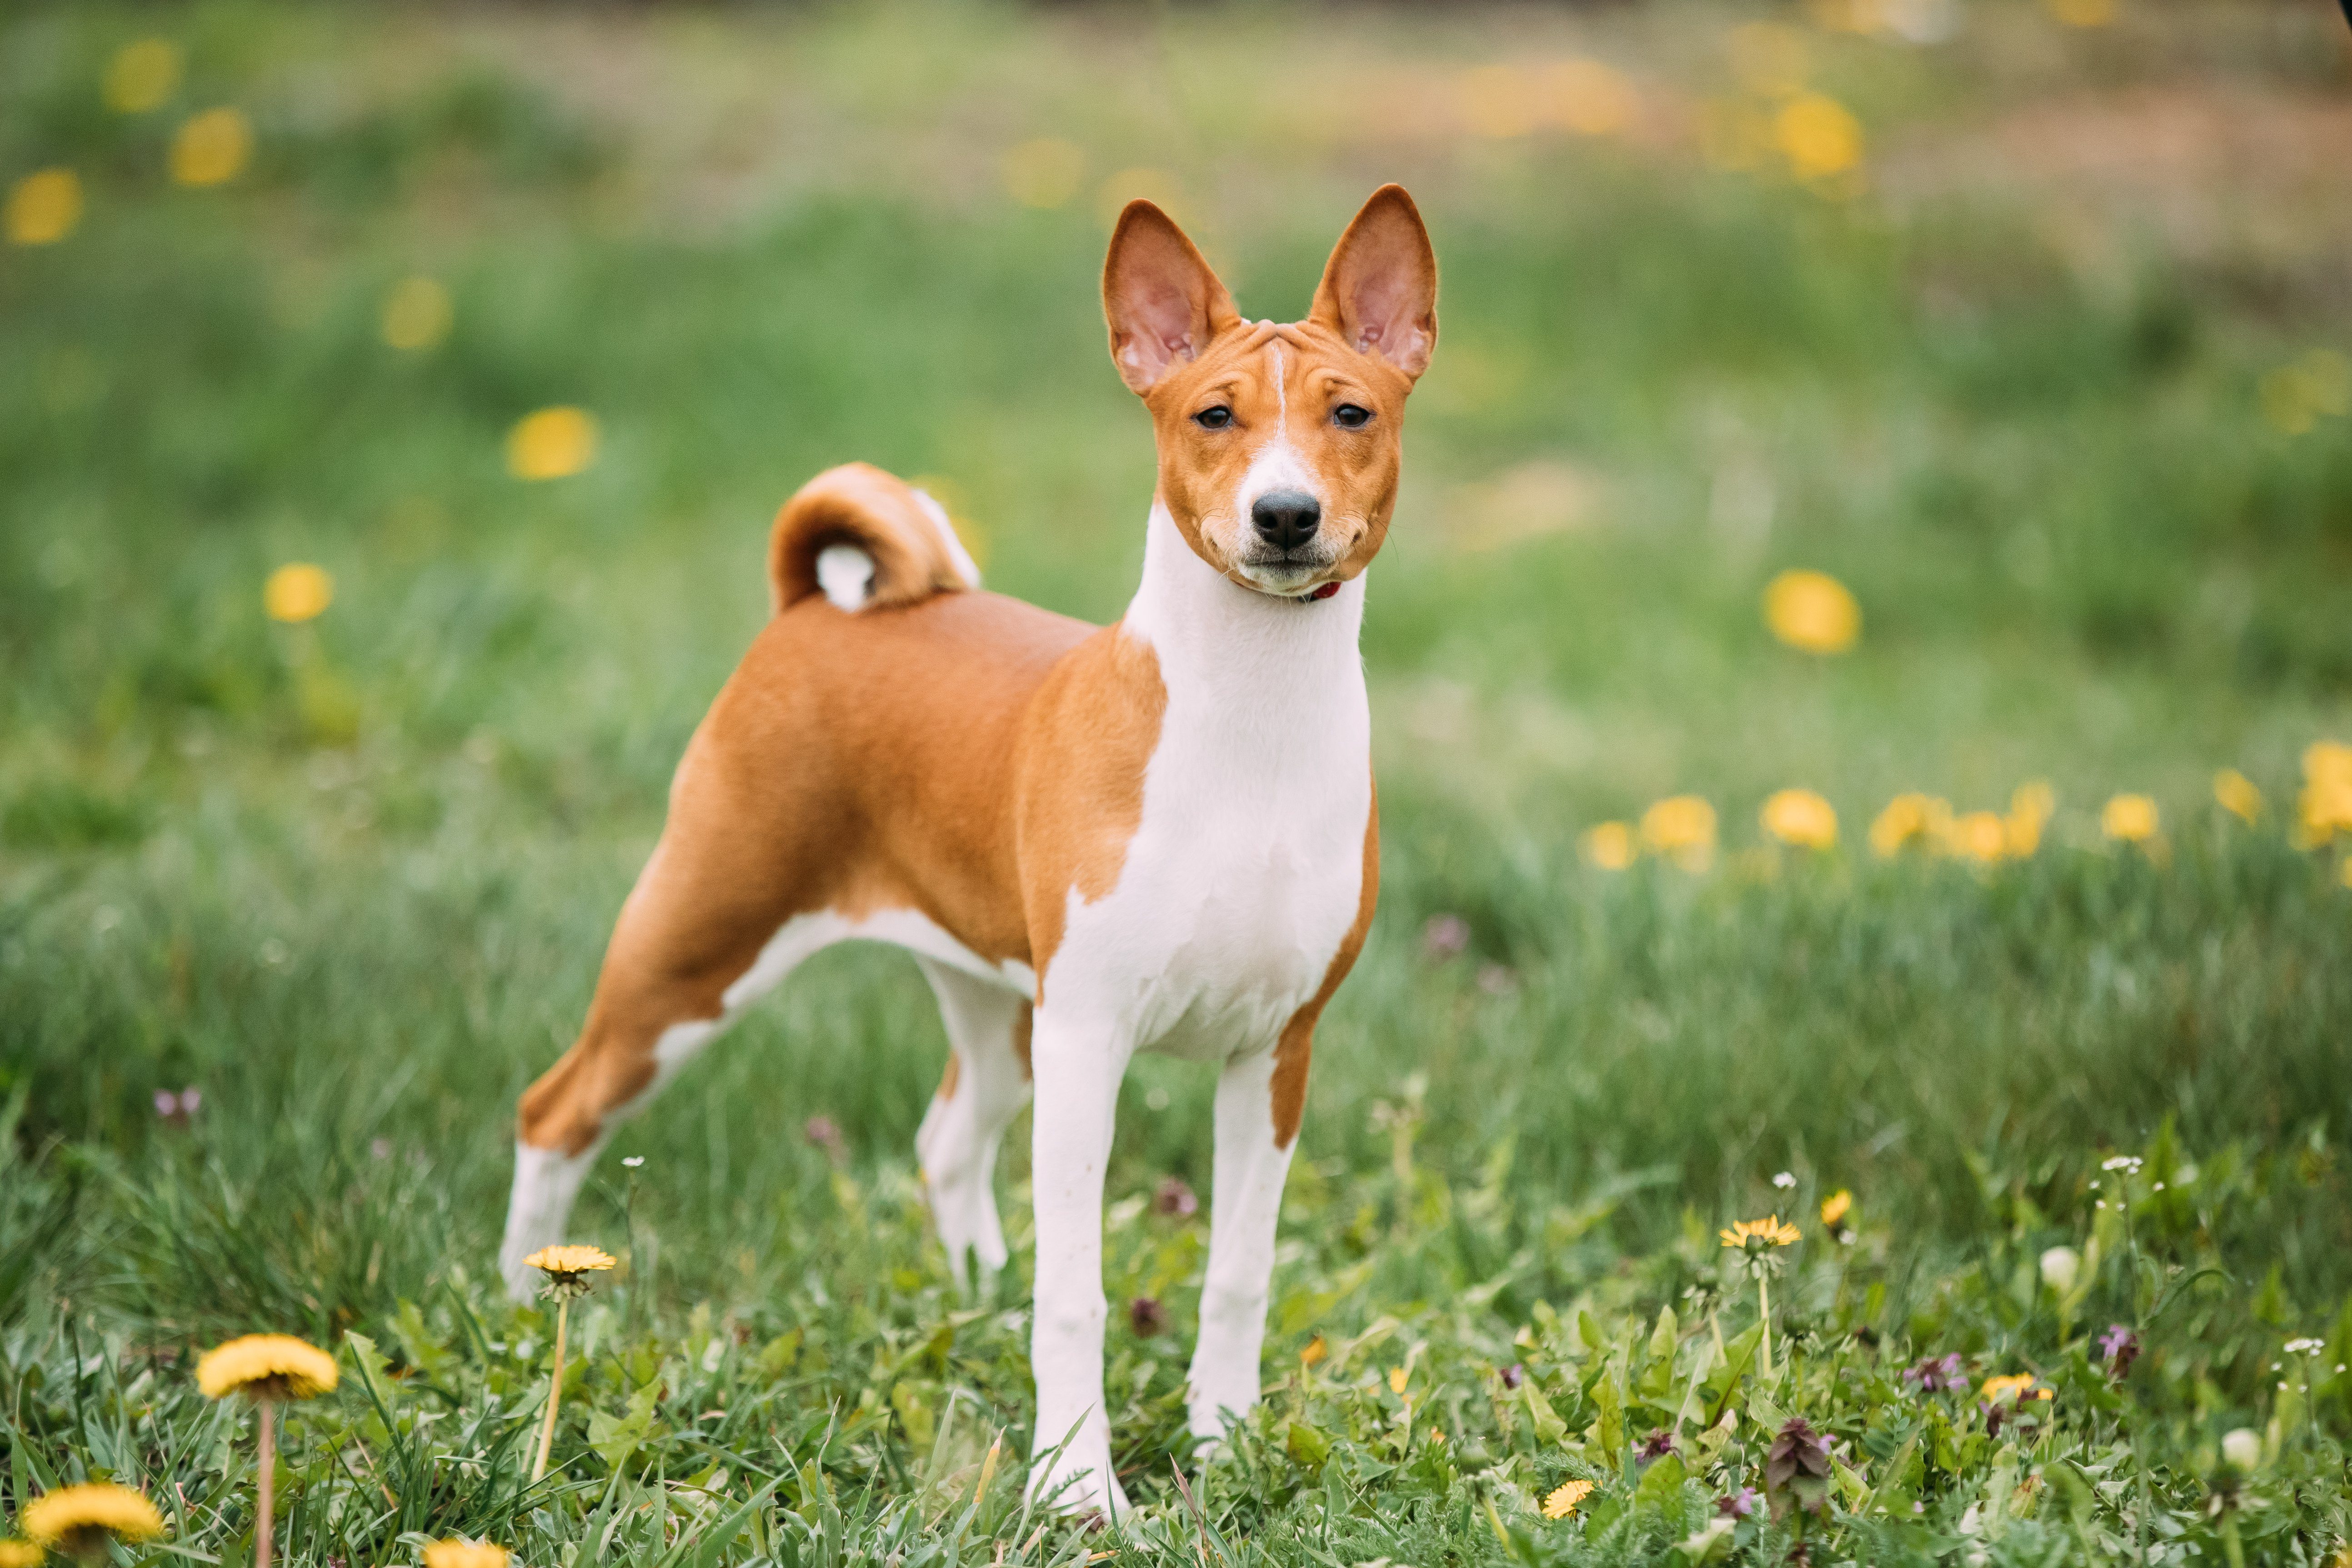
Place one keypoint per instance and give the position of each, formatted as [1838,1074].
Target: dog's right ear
[1161,301]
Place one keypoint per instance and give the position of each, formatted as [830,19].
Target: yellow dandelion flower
[44,206]
[1836,1205]
[2012,1389]
[2030,809]
[1801,817]
[1817,135]
[1811,611]
[465,1554]
[565,1265]
[269,1366]
[2325,808]
[1770,1231]
[2131,818]
[20,1555]
[1562,1499]
[1910,818]
[1610,845]
[1043,173]
[211,148]
[77,1519]
[1980,836]
[1317,1349]
[2236,794]
[297,592]
[417,314]
[142,74]
[553,444]
[1397,1379]
[1681,827]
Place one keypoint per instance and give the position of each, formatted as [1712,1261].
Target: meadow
[2025,324]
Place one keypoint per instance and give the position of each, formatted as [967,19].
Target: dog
[1159,835]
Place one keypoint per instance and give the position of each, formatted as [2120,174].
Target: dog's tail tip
[866,539]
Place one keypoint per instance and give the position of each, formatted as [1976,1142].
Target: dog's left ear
[1379,288]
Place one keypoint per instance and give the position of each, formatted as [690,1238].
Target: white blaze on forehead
[1275,465]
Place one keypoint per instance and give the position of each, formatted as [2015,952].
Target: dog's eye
[1349,416]
[1215,418]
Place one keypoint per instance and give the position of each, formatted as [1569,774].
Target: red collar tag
[1325,592]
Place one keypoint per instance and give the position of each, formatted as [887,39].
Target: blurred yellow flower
[212,147]
[298,590]
[2325,808]
[2030,808]
[1153,185]
[1044,173]
[1317,1349]
[1800,816]
[2295,396]
[269,1366]
[1834,1206]
[1978,836]
[416,313]
[1398,1377]
[1610,845]
[1562,1499]
[1819,136]
[2011,1389]
[553,444]
[44,206]
[77,1519]
[20,1555]
[2129,817]
[1770,1231]
[2237,794]
[465,1554]
[1681,827]
[1587,96]
[567,1265]
[2083,13]
[142,74]
[1910,818]
[1812,611]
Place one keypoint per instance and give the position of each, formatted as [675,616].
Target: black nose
[1286,519]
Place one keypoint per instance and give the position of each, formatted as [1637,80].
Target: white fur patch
[846,574]
[949,540]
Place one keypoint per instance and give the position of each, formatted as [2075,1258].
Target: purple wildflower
[1175,1200]
[1514,1374]
[1931,1374]
[1444,937]
[1736,1505]
[2118,1347]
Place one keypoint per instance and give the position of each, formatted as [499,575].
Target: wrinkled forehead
[1268,349]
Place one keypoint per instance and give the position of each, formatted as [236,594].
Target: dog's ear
[1379,288]
[1161,301]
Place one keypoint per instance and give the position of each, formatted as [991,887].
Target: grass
[350,879]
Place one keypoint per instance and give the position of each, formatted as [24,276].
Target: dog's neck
[1253,660]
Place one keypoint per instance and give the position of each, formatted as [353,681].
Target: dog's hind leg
[986,1082]
[693,948]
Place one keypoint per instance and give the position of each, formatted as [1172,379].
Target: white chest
[1246,872]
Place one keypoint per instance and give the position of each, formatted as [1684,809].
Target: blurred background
[395,398]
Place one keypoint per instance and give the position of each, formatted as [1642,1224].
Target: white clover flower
[2242,1448]
[1784,1181]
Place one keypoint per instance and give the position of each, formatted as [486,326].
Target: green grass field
[2032,337]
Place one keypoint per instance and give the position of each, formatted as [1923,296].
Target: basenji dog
[1159,835]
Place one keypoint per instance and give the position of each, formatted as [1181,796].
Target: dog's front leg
[1076,1064]
[1244,1201]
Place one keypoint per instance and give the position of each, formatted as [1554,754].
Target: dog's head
[1279,445]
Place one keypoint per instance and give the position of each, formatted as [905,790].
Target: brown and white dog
[1159,835]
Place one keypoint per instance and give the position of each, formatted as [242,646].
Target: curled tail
[864,539]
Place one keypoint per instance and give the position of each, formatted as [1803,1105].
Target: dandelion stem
[265,1522]
[555,1390]
[1764,1313]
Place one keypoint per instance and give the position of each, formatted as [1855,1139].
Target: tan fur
[860,504]
[962,754]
